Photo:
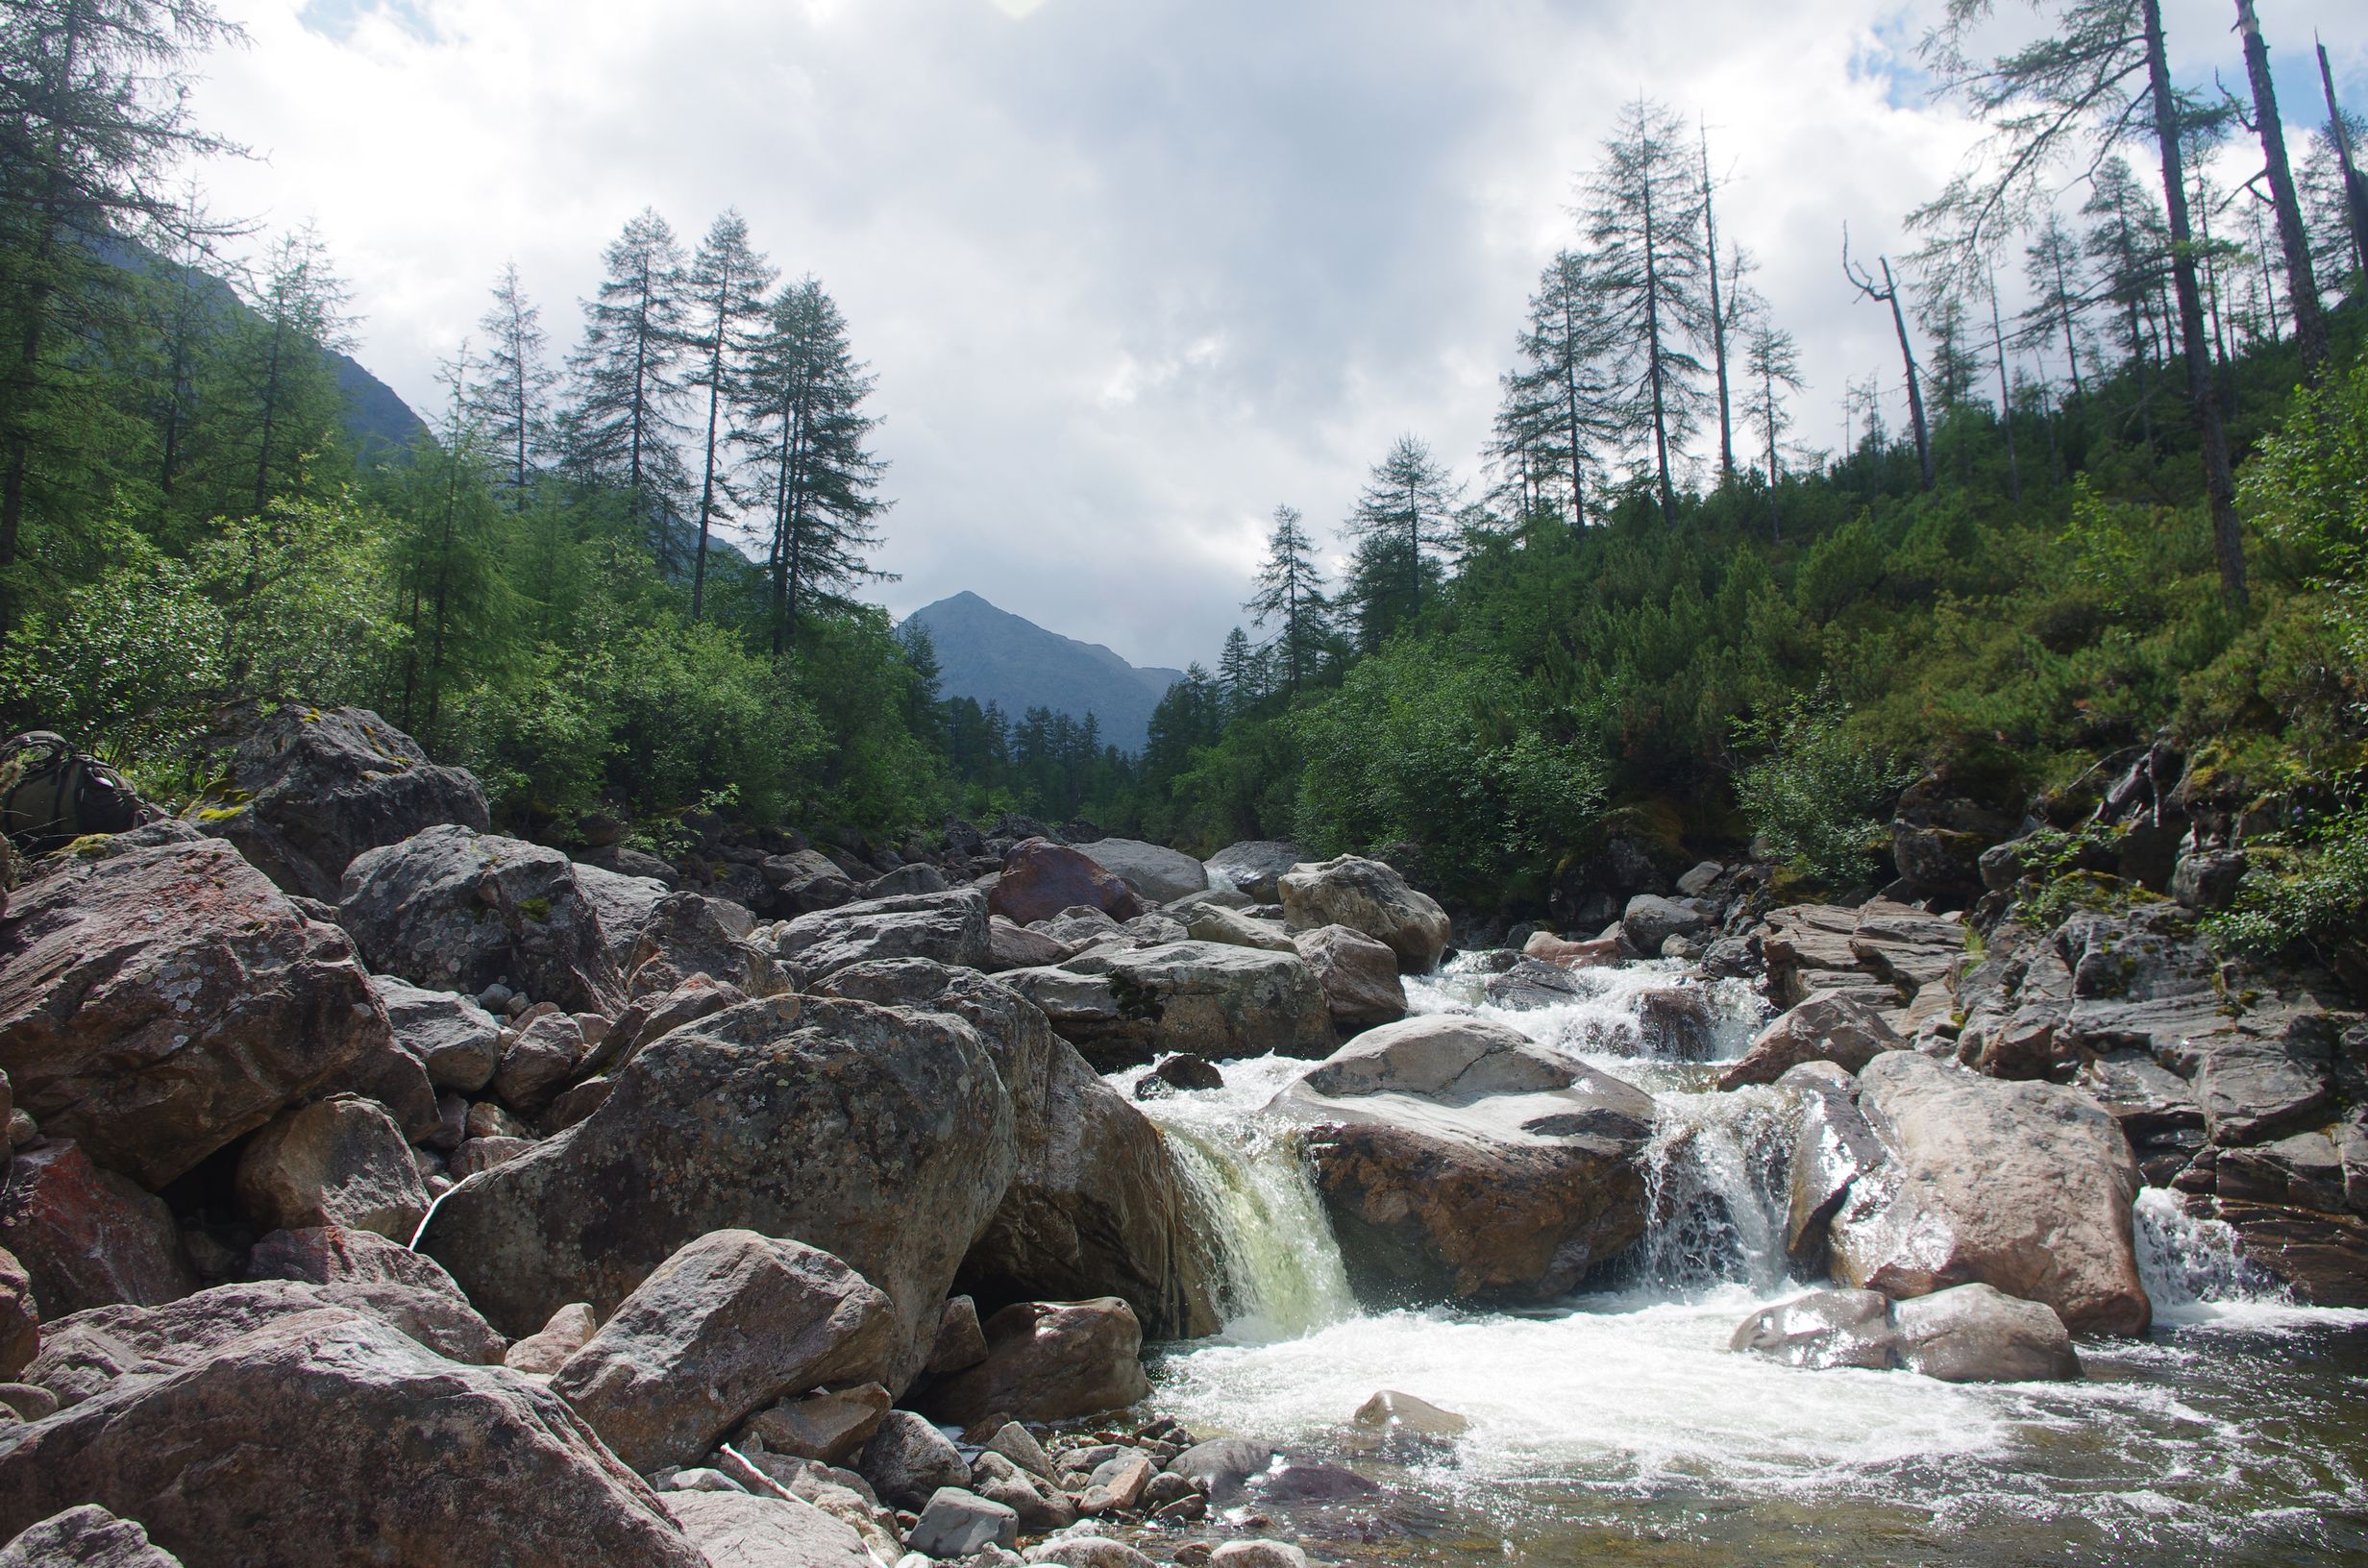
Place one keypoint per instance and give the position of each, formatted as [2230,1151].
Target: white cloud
[1131,272]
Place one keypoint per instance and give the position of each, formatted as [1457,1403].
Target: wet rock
[725,1326]
[312,788]
[337,1162]
[960,1342]
[2147,1099]
[545,1350]
[1011,946]
[828,1428]
[624,904]
[20,1317]
[1677,1023]
[1545,948]
[1182,1071]
[1042,878]
[1311,1483]
[732,1530]
[687,934]
[2022,1186]
[455,1039]
[1093,1207]
[1825,1028]
[1832,1148]
[1088,1552]
[2304,1171]
[87,1537]
[1210,923]
[1458,1159]
[1258,1554]
[158,1003]
[2322,1259]
[1530,983]
[1358,974]
[1393,1411]
[1155,872]
[457,909]
[87,1237]
[1221,1465]
[1256,867]
[1824,1328]
[1369,896]
[948,928]
[959,1524]
[1974,1333]
[1051,1362]
[406,1456]
[907,1460]
[882,1136]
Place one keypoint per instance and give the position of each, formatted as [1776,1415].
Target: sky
[1131,273]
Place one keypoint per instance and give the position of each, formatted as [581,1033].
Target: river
[1616,1428]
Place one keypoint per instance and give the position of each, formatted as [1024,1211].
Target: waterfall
[2187,1261]
[1259,1207]
[1717,1170]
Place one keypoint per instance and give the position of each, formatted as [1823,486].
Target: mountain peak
[988,655]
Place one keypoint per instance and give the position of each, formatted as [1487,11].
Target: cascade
[2186,1261]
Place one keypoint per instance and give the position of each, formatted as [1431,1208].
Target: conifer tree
[1643,215]
[1242,673]
[623,426]
[2054,267]
[1291,592]
[726,295]
[1772,360]
[2127,244]
[1563,407]
[290,406]
[2302,288]
[1404,516]
[808,432]
[511,402]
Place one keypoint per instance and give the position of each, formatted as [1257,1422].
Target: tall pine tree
[724,296]
[624,424]
[1291,592]
[511,402]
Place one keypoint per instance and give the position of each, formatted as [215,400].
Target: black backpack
[50,794]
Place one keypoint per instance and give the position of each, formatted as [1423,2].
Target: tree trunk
[1652,363]
[1718,327]
[2005,396]
[1916,392]
[2203,386]
[2309,327]
[2355,184]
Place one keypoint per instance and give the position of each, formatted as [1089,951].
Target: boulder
[1011,946]
[1155,872]
[1458,1159]
[1832,1148]
[1827,1027]
[1549,949]
[1186,1072]
[2027,1186]
[1390,1411]
[1369,896]
[478,1155]
[460,910]
[1210,923]
[907,1460]
[158,1003]
[1974,1333]
[1358,974]
[828,1428]
[545,1350]
[960,1342]
[87,1537]
[882,1136]
[1038,1504]
[804,881]
[732,1530]
[1650,920]
[1051,1362]
[312,788]
[1210,999]
[623,905]
[1824,1329]
[944,927]
[1220,1466]
[337,1162]
[1257,1554]
[1093,1207]
[725,1326]
[1088,1552]
[957,1523]
[700,997]
[457,1042]
[1256,867]
[327,1437]
[687,934]
[1042,878]
[87,1237]
[369,1273]
[1531,984]
[20,1318]
[540,1059]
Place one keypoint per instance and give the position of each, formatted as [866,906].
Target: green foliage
[2314,893]
[1819,794]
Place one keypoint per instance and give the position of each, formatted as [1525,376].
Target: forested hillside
[2109,516]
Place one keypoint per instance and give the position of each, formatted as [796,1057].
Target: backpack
[50,795]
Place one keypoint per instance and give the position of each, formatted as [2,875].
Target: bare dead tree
[1889,294]
[2354,187]
[2301,287]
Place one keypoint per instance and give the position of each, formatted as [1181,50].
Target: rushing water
[1618,1428]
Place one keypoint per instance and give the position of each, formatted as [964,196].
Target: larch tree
[2055,270]
[510,401]
[725,297]
[2127,244]
[805,431]
[1406,513]
[1772,360]
[2097,77]
[1643,215]
[1241,672]
[2005,392]
[2302,288]
[1723,316]
[622,424]
[1563,408]
[1290,595]
[281,357]
[2344,134]
[1889,294]
[2338,229]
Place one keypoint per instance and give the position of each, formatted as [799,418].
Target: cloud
[1131,272]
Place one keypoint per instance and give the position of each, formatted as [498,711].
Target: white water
[1633,1394]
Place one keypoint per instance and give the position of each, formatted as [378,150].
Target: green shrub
[1819,798]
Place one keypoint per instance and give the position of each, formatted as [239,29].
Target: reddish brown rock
[337,1162]
[1042,878]
[20,1318]
[158,1003]
[1547,948]
[1051,1362]
[86,1237]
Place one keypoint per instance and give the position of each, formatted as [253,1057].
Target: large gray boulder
[1092,1207]
[1457,1159]
[158,1003]
[458,909]
[882,1136]
[1156,873]
[369,1273]
[337,1162]
[1828,1027]
[1358,976]
[688,934]
[87,1537]
[314,787]
[448,1034]
[1369,896]
[1121,1007]
[943,927]
[1965,1334]
[328,1437]
[1254,867]
[1041,878]
[88,1237]
[733,1530]
[624,904]
[2027,1186]
[1051,1362]
[725,1326]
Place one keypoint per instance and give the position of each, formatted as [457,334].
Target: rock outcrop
[943,927]
[1369,896]
[1212,999]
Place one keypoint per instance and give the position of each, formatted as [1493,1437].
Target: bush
[1820,797]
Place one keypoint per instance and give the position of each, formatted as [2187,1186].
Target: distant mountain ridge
[992,656]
